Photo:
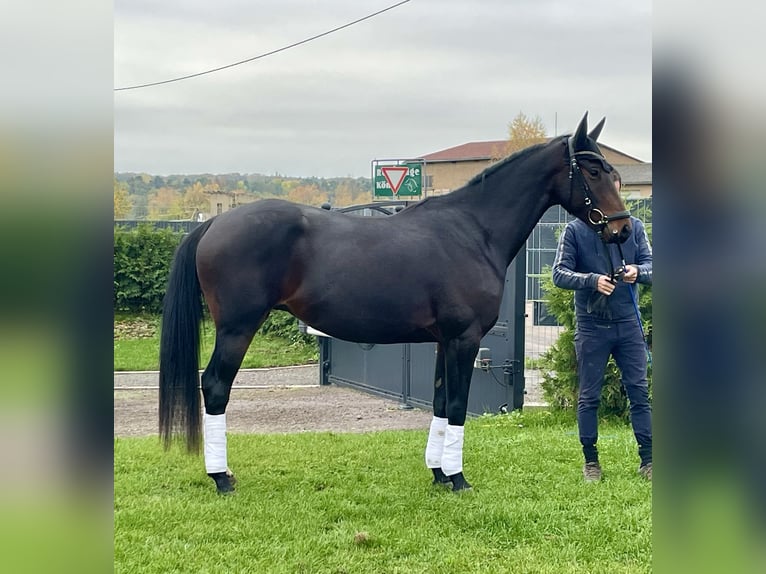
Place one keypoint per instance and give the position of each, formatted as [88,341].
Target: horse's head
[592,193]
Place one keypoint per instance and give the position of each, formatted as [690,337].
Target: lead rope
[635,305]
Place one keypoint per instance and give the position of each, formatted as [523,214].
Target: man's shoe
[645,471]
[592,472]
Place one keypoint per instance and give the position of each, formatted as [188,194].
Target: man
[607,324]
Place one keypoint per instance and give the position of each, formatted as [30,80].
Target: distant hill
[339,191]
[144,183]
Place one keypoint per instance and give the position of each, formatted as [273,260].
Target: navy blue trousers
[594,342]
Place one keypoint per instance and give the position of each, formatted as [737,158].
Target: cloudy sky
[427,75]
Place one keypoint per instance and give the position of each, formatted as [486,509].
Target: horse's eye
[594,172]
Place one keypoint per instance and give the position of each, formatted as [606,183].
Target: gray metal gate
[405,372]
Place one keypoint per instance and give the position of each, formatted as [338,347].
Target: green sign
[401,180]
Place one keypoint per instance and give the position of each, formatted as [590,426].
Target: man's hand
[605,285]
[631,274]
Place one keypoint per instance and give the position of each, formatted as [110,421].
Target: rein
[617,274]
[595,215]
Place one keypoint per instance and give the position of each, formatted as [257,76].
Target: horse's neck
[507,204]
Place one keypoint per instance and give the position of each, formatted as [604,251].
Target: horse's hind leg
[230,348]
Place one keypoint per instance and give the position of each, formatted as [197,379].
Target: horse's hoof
[224,482]
[459,483]
[440,479]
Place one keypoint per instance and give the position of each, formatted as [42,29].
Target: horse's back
[251,218]
[344,273]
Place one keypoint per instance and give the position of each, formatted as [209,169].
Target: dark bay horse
[343,274]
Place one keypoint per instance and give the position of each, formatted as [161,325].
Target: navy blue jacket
[581,257]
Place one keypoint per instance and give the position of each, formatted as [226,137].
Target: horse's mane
[497,165]
[460,192]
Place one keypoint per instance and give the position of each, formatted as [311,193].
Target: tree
[140,206]
[286,186]
[166,203]
[122,203]
[307,195]
[348,193]
[524,132]
[344,195]
[195,199]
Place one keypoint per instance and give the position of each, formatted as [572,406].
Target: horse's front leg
[217,381]
[435,445]
[459,357]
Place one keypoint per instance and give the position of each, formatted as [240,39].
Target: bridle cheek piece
[595,216]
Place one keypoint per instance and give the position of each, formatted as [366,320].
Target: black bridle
[596,217]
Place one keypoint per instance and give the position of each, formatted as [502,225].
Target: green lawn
[137,344]
[363,503]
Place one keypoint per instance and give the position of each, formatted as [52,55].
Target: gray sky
[427,75]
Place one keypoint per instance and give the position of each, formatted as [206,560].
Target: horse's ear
[597,130]
[582,133]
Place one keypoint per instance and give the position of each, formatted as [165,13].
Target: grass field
[137,344]
[363,503]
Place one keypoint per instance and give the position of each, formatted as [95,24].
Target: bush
[559,363]
[142,259]
[283,324]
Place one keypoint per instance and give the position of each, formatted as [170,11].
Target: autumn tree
[166,203]
[524,132]
[347,192]
[287,185]
[344,195]
[195,198]
[122,203]
[307,195]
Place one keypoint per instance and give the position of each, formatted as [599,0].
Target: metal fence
[179,225]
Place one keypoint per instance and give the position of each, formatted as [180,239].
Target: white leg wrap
[215,442]
[452,457]
[435,444]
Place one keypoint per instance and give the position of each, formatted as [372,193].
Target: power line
[327,33]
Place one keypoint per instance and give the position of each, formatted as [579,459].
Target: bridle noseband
[595,215]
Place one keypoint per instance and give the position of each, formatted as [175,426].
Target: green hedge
[142,260]
[559,363]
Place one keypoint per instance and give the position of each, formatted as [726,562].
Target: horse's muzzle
[617,235]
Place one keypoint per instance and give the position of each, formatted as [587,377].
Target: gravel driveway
[279,400]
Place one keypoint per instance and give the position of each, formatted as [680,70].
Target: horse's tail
[179,346]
